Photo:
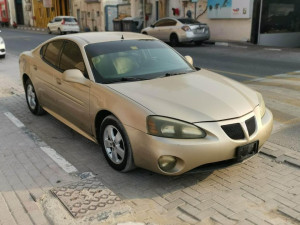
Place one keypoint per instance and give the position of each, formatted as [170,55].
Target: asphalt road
[241,63]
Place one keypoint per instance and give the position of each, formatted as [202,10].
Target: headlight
[171,128]
[262,105]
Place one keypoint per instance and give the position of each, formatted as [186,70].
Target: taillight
[63,21]
[186,28]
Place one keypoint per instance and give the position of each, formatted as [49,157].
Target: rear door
[43,70]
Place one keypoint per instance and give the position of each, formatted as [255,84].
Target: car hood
[195,97]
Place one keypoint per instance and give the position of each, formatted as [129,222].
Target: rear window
[52,52]
[189,21]
[70,20]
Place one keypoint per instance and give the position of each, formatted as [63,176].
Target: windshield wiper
[174,74]
[132,79]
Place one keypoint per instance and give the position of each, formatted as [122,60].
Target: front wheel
[32,100]
[115,144]
[49,31]
[59,31]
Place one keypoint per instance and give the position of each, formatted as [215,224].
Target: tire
[198,43]
[145,33]
[49,31]
[2,56]
[110,130]
[31,99]
[174,40]
[59,31]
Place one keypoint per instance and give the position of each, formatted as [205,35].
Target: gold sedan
[145,104]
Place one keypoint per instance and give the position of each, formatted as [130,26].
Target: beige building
[95,15]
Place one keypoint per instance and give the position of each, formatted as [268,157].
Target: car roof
[96,37]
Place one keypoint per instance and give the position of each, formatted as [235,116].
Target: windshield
[130,60]
[189,21]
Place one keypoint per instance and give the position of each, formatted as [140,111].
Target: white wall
[12,11]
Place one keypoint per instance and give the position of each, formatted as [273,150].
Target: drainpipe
[144,12]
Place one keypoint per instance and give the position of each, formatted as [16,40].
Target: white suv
[63,24]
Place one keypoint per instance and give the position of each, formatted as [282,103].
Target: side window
[51,54]
[166,22]
[71,58]
[57,19]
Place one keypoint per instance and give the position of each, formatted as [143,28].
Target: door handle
[58,81]
[34,67]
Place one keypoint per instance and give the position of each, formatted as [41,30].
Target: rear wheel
[198,42]
[145,33]
[2,56]
[49,31]
[174,40]
[115,144]
[32,100]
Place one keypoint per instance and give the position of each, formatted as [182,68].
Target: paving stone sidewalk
[262,190]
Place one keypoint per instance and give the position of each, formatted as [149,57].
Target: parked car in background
[144,103]
[63,25]
[2,48]
[179,30]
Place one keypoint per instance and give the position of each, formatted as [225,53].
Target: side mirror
[75,76]
[189,59]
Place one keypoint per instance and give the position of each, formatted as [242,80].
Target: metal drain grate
[85,197]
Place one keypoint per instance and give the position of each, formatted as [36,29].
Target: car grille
[251,125]
[2,50]
[235,131]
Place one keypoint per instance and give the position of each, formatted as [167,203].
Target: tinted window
[167,22]
[70,20]
[71,58]
[57,19]
[43,49]
[52,52]
[188,21]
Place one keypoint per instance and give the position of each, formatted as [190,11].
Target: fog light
[167,162]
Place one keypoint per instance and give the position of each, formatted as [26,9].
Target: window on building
[71,58]
[98,13]
[52,52]
[89,14]
[280,16]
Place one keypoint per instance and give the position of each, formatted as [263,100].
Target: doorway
[255,21]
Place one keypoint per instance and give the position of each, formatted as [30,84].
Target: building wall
[27,13]
[92,15]
[87,14]
[43,15]
[12,11]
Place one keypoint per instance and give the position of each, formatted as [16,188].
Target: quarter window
[71,58]
[52,52]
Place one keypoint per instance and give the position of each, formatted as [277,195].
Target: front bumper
[215,147]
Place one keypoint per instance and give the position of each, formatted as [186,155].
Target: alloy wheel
[114,144]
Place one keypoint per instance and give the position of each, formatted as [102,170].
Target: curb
[32,28]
